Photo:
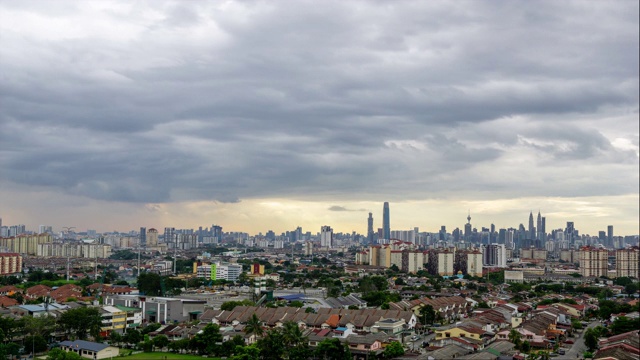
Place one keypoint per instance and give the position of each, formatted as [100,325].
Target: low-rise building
[90,350]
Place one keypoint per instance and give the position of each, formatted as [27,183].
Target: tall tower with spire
[532,229]
[386,223]
[539,227]
[370,229]
[467,227]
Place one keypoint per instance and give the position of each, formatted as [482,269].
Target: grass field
[162,356]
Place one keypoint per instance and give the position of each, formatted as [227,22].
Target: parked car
[415,337]
[561,351]
[569,342]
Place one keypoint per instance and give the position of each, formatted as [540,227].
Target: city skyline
[615,228]
[258,115]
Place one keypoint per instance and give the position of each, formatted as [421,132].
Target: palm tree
[254,326]
[292,334]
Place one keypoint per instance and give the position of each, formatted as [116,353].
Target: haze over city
[258,115]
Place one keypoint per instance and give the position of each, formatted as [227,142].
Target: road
[578,348]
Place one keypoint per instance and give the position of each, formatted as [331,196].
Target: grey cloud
[359,100]
[342,208]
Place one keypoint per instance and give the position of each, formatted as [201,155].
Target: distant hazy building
[143,237]
[326,237]
[75,250]
[26,244]
[308,248]
[627,262]
[593,261]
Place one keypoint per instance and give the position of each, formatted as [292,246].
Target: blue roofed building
[90,350]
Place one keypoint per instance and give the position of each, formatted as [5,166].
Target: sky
[259,115]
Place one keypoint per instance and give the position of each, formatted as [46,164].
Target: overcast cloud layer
[166,102]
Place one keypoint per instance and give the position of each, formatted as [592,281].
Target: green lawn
[162,356]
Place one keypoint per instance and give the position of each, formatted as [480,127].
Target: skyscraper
[532,230]
[539,226]
[370,229]
[610,236]
[326,237]
[494,255]
[386,227]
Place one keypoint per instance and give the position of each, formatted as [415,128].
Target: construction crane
[67,229]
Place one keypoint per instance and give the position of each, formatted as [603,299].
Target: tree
[132,336]
[230,305]
[394,349]
[40,325]
[150,284]
[427,314]
[515,337]
[115,338]
[576,324]
[179,345]
[591,339]
[59,354]
[272,345]
[525,347]
[160,341]
[206,342]
[623,324]
[9,326]
[292,334]
[80,322]
[250,352]
[36,343]
[9,349]
[332,349]
[296,303]
[254,326]
[631,288]
[229,347]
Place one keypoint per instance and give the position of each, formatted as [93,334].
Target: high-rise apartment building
[25,243]
[326,237]
[42,229]
[610,236]
[494,255]
[10,263]
[593,261]
[474,263]
[170,237]
[152,237]
[627,262]
[386,224]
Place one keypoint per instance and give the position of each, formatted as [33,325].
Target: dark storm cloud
[158,102]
